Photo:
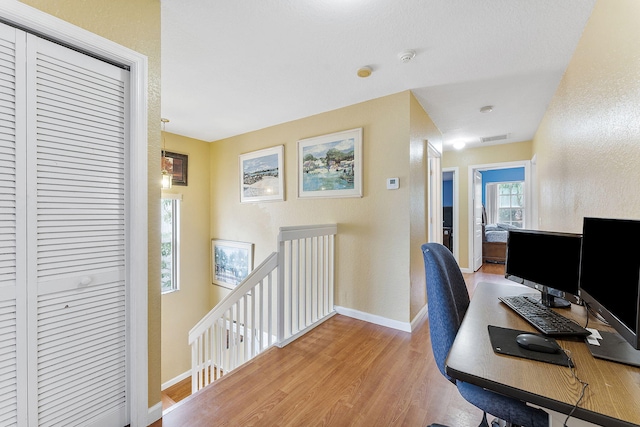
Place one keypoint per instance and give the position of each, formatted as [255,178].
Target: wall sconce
[167,178]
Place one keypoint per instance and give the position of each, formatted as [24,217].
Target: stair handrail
[252,279]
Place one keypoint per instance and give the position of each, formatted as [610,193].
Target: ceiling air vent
[494,138]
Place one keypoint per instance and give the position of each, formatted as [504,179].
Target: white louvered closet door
[12,232]
[77,333]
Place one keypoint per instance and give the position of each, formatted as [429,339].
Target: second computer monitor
[546,261]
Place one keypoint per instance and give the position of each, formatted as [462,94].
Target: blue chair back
[447,297]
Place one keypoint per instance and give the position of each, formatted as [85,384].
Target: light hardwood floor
[343,373]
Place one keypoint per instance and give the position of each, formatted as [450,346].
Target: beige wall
[423,131]
[374,242]
[462,159]
[588,144]
[136,25]
[181,310]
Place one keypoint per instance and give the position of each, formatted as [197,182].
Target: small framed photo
[231,262]
[262,175]
[176,164]
[331,165]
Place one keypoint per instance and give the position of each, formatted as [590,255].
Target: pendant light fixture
[166,176]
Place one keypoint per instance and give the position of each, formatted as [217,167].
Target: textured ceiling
[234,66]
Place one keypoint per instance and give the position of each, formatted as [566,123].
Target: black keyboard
[543,318]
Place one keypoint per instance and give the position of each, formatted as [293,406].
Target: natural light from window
[511,203]
[170,248]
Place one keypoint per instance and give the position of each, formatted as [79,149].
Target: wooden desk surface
[611,399]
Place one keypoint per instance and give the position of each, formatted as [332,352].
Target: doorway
[450,210]
[476,214]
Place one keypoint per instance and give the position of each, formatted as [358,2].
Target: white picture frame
[262,175]
[330,165]
[231,262]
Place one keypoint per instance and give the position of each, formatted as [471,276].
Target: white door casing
[477,220]
[434,206]
[473,214]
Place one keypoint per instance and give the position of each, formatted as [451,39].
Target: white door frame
[526,164]
[456,210]
[434,206]
[36,21]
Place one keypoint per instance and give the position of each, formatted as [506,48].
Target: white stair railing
[305,280]
[288,294]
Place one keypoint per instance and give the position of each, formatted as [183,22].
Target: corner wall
[462,159]
[181,310]
[423,132]
[373,243]
[588,144]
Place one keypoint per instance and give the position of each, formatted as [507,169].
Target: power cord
[595,314]
[583,383]
[588,308]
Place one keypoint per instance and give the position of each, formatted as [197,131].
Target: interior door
[477,220]
[77,319]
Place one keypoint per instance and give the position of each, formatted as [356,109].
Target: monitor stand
[613,347]
[554,301]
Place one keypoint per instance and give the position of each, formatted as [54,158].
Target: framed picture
[262,175]
[176,164]
[331,165]
[231,262]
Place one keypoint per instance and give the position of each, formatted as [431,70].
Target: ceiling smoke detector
[407,55]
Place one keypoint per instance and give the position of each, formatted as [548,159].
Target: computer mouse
[538,343]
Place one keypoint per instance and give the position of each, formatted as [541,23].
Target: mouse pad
[503,341]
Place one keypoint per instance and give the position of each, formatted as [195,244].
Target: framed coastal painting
[231,262]
[262,175]
[331,165]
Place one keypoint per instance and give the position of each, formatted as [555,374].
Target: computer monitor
[547,261]
[610,274]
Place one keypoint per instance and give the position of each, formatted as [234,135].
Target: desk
[613,395]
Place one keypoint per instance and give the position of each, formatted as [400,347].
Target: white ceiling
[234,66]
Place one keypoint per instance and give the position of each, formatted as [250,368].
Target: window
[170,245]
[511,203]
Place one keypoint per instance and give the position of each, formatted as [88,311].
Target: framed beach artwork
[231,262]
[331,165]
[262,175]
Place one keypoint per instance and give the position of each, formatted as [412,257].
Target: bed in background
[494,242]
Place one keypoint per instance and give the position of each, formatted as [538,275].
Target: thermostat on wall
[393,183]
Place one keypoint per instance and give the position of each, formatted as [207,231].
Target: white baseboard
[424,312]
[175,380]
[373,318]
[466,270]
[154,413]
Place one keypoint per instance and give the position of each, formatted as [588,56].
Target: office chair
[448,300]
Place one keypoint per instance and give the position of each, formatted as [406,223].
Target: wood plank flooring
[176,393]
[343,373]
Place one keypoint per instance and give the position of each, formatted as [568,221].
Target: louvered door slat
[79,245]
[108,345]
[76,142]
